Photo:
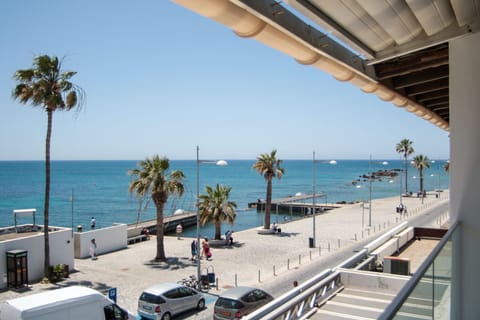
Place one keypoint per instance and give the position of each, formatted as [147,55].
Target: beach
[254,259]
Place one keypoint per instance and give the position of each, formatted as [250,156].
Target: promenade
[253,259]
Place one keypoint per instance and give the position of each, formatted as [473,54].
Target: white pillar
[465,174]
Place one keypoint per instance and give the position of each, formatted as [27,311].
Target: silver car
[238,302]
[165,300]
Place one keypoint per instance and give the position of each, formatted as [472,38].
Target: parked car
[238,302]
[165,300]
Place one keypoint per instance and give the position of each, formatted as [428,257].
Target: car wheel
[201,304]
[166,316]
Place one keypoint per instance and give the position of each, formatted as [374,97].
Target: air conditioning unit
[396,265]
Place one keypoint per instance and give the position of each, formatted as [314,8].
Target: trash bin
[310,243]
[211,274]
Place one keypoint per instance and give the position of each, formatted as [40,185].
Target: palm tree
[421,162]
[269,167]
[154,179]
[405,148]
[215,207]
[48,86]
[446,166]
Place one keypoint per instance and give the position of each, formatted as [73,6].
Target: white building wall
[108,239]
[465,174]
[61,252]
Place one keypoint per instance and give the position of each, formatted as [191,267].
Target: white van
[71,303]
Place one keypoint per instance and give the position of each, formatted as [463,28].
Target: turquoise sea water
[100,188]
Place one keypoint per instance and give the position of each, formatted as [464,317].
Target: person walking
[206,249]
[93,249]
[193,249]
[179,230]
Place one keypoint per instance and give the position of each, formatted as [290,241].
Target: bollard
[329,246]
[288,264]
[368,231]
[259,276]
[355,237]
[274,274]
[319,250]
[338,243]
[299,259]
[216,284]
[235,279]
[310,255]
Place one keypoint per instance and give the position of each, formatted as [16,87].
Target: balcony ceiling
[396,49]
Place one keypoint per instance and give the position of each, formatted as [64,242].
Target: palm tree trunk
[421,180]
[406,175]
[46,266]
[218,228]
[268,204]
[160,248]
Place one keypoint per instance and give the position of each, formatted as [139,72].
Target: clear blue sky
[160,80]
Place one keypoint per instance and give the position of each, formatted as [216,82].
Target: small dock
[187,219]
[295,204]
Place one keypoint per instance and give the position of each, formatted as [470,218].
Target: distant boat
[298,194]
[333,162]
[179,211]
[222,163]
[385,163]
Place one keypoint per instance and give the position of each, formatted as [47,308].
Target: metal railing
[305,299]
[431,282]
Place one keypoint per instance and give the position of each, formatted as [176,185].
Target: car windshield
[151,298]
[228,303]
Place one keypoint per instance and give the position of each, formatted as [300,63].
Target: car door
[187,297]
[174,302]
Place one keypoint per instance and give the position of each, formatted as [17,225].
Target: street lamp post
[197,203]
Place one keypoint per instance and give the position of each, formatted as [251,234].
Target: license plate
[147,308]
[225,313]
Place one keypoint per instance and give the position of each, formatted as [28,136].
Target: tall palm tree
[47,86]
[405,148]
[214,206]
[269,167]
[421,162]
[155,180]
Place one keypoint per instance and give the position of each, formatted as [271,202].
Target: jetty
[295,204]
[187,219]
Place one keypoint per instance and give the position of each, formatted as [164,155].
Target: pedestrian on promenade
[93,222]
[93,249]
[229,237]
[206,249]
[193,248]
[179,230]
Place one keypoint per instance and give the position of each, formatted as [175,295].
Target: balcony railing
[428,292]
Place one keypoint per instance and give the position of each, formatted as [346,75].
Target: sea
[81,190]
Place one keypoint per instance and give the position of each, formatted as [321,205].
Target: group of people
[205,250]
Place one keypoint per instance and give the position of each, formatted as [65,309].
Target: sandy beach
[253,259]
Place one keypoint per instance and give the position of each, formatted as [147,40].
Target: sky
[160,79]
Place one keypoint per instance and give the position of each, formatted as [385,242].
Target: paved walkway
[253,257]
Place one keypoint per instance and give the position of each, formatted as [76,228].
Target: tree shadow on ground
[172,263]
[288,234]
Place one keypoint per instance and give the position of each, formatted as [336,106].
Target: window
[114,312]
[172,294]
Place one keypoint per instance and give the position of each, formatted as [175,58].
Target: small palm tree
[421,162]
[48,86]
[155,180]
[269,167]
[405,148]
[215,207]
